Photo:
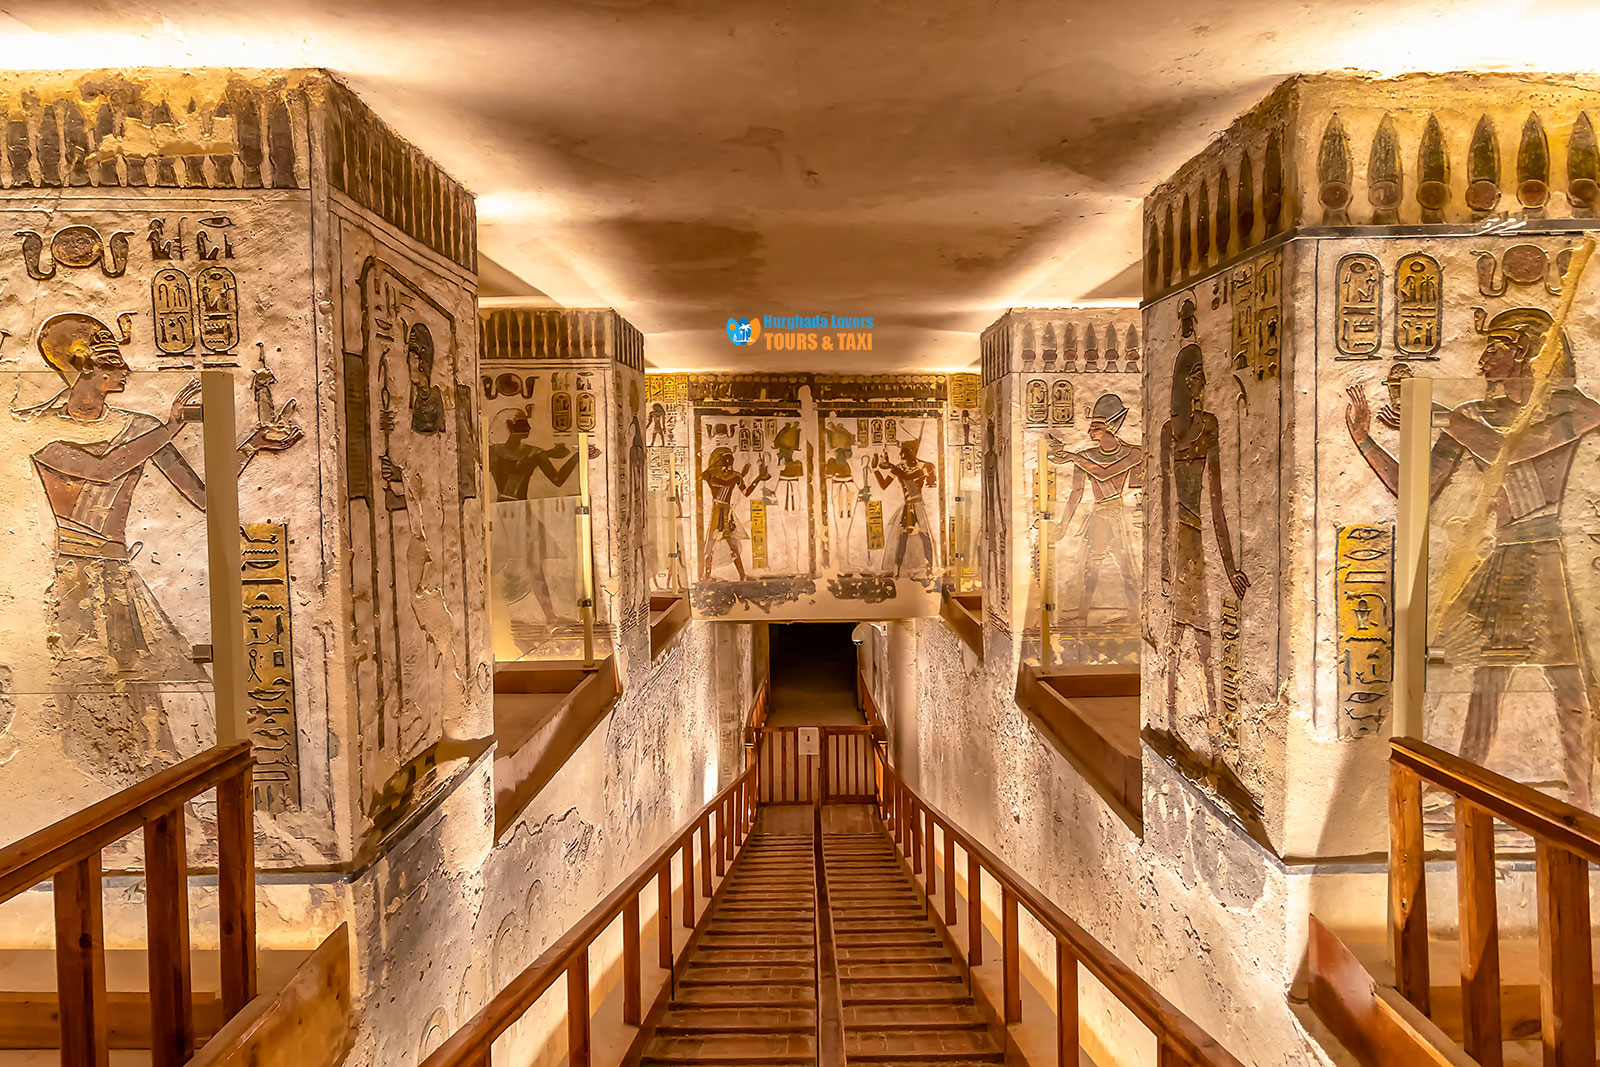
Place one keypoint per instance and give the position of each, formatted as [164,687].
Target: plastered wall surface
[1192,904]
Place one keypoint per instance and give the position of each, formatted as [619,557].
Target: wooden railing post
[1010,955]
[705,857]
[927,847]
[1066,1006]
[974,910]
[81,965]
[1480,935]
[236,890]
[167,911]
[949,878]
[916,837]
[632,971]
[578,1011]
[1566,980]
[1408,896]
[688,882]
[664,915]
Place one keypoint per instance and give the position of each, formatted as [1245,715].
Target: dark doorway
[813,674]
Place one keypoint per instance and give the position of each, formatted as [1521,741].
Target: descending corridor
[749,992]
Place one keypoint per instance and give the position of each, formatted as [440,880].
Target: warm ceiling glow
[168,44]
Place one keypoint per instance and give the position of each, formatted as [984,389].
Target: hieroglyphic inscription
[1358,307]
[1363,588]
[1418,306]
[963,391]
[1268,316]
[269,684]
[875,525]
[758,533]
[1232,660]
[1241,297]
[172,307]
[218,295]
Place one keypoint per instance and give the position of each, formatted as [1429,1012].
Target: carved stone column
[1342,236]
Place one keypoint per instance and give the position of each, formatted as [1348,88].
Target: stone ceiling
[924,162]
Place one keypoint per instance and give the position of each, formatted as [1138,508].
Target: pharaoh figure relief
[724,525]
[1191,479]
[1510,603]
[911,519]
[1113,470]
[107,629]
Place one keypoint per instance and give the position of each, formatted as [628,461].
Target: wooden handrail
[1566,840]
[913,824]
[733,810]
[26,863]
[1534,813]
[68,852]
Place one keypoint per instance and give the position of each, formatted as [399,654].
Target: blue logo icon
[744,331]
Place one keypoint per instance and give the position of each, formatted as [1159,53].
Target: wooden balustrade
[69,854]
[913,826]
[721,827]
[1566,840]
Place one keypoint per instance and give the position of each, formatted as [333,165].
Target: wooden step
[732,1048]
[734,1018]
[967,1044]
[913,1017]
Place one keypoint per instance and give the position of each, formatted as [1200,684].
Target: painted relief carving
[1511,605]
[1363,585]
[106,626]
[1358,306]
[1191,477]
[1521,265]
[914,474]
[427,399]
[162,247]
[724,526]
[217,295]
[206,244]
[1113,471]
[270,660]
[275,429]
[76,247]
[172,311]
[1037,403]
[1418,305]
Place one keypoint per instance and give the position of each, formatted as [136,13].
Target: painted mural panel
[1213,525]
[1512,618]
[821,496]
[668,430]
[964,467]
[101,340]
[408,337]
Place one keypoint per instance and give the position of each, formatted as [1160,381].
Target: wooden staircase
[748,993]
[905,998]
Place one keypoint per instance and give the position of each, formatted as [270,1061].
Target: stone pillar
[1345,234]
[1066,379]
[549,375]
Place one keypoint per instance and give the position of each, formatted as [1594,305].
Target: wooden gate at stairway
[842,770]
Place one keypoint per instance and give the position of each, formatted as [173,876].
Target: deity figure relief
[1515,607]
[911,520]
[656,422]
[520,530]
[1113,470]
[724,525]
[427,399]
[1191,469]
[836,469]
